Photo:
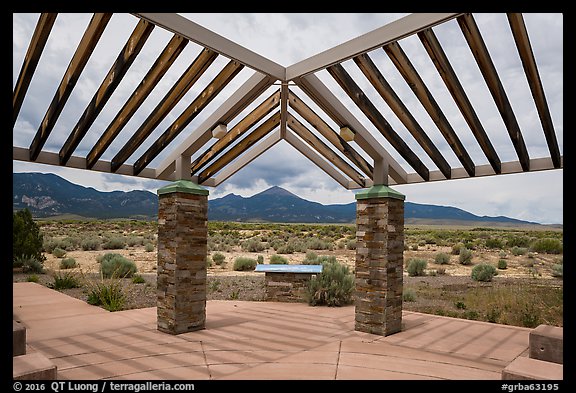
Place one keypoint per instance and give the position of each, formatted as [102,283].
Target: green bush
[218,258]
[278,259]
[26,237]
[68,263]
[29,264]
[547,246]
[442,258]
[90,243]
[311,258]
[483,272]
[244,264]
[558,270]
[456,248]
[333,287]
[260,259]
[58,252]
[33,278]
[65,280]
[518,250]
[253,245]
[494,243]
[109,296]
[138,279]
[149,247]
[114,243]
[416,267]
[116,265]
[408,295]
[502,264]
[465,257]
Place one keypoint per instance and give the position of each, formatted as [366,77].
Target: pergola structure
[186,140]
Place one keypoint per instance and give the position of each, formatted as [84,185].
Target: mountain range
[49,195]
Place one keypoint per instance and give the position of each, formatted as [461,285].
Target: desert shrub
[64,280]
[333,287]
[351,244]
[116,265]
[149,247]
[138,279]
[58,252]
[483,272]
[518,241]
[558,270]
[408,295]
[416,267]
[108,295]
[502,264]
[29,264]
[26,237]
[68,263]
[311,258]
[518,250]
[547,245]
[465,256]
[442,258]
[494,243]
[244,264]
[90,243]
[319,244]
[33,278]
[218,258]
[456,248]
[278,259]
[260,259]
[253,245]
[114,243]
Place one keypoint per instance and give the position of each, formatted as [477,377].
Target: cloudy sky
[287,39]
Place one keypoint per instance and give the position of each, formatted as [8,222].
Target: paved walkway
[258,340]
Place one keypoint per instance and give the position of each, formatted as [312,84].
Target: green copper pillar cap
[185,186]
[380,191]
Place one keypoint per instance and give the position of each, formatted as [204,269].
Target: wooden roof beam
[333,137]
[200,102]
[238,149]
[176,93]
[230,108]
[75,67]
[170,53]
[417,85]
[37,44]
[324,150]
[319,161]
[529,63]
[266,107]
[488,70]
[395,103]
[112,79]
[331,105]
[367,107]
[208,39]
[246,158]
[440,60]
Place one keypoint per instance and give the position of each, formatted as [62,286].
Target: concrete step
[33,366]
[524,368]
[547,343]
[18,338]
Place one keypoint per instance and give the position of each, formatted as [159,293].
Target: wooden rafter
[112,79]
[488,70]
[35,49]
[200,102]
[440,60]
[316,121]
[180,88]
[395,103]
[260,132]
[239,129]
[170,53]
[324,150]
[83,51]
[417,85]
[529,63]
[367,107]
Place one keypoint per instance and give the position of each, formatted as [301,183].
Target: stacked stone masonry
[379,265]
[182,249]
[287,287]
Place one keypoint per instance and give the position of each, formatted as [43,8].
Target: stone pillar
[379,260]
[182,248]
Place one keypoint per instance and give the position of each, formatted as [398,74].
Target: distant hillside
[48,195]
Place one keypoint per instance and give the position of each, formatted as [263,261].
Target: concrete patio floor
[258,341]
